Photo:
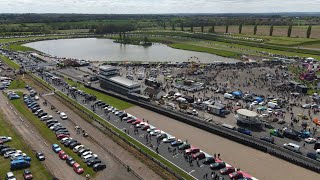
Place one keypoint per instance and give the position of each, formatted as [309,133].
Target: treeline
[113,28]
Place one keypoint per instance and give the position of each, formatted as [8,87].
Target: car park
[40,156]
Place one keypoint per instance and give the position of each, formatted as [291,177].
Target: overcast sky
[157,6]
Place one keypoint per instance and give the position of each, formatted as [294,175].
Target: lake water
[95,49]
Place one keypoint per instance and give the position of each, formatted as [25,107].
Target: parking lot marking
[141,135]
[176,155]
[15,112]
[10,107]
[26,125]
[46,144]
[202,165]
[131,126]
[191,171]
[38,137]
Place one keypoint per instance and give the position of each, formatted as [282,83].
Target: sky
[157,6]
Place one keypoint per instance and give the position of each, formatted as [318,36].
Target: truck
[216,110]
[19,164]
[273,105]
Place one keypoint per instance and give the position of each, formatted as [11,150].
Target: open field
[17,84]
[38,170]
[19,47]
[45,132]
[9,62]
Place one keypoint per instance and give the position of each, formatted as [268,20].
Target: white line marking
[202,165]
[15,112]
[191,171]
[46,144]
[11,107]
[26,125]
[37,137]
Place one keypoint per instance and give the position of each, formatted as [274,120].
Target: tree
[227,28]
[255,29]
[240,28]
[271,30]
[309,31]
[91,30]
[145,39]
[191,28]
[202,27]
[164,25]
[289,31]
[173,26]
[181,25]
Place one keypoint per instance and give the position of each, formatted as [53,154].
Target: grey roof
[123,81]
[107,68]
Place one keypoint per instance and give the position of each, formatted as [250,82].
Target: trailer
[216,110]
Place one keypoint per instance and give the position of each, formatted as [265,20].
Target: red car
[192,150]
[62,155]
[136,122]
[27,175]
[131,120]
[227,170]
[198,155]
[61,136]
[146,127]
[236,175]
[77,168]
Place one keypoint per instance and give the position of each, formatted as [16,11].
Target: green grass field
[37,169]
[10,63]
[17,84]
[19,47]
[47,133]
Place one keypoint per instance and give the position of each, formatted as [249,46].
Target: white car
[306,106]
[54,125]
[310,140]
[77,148]
[141,124]
[16,155]
[36,98]
[151,128]
[169,139]
[63,116]
[86,153]
[87,157]
[46,117]
[10,176]
[155,132]
[9,153]
[5,138]
[114,110]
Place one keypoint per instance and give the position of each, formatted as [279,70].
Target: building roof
[247,113]
[123,81]
[152,91]
[107,68]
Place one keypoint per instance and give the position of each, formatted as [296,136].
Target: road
[53,163]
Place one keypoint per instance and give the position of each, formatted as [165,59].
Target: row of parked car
[214,162]
[5,84]
[63,135]
[12,95]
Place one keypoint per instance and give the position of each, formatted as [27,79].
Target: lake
[95,49]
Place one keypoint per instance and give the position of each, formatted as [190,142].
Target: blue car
[304,134]
[176,143]
[56,148]
[27,158]
[245,131]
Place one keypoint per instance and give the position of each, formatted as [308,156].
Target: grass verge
[17,84]
[19,47]
[47,133]
[121,133]
[9,62]
[37,169]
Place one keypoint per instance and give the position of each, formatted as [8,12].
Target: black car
[267,139]
[217,165]
[209,160]
[59,128]
[122,115]
[74,144]
[3,151]
[70,161]
[67,144]
[42,114]
[40,156]
[162,136]
[184,146]
[51,121]
[62,132]
[3,146]
[99,167]
[35,109]
[93,162]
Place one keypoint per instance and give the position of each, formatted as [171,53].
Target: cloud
[157,6]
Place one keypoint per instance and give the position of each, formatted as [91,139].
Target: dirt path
[139,167]
[256,163]
[53,163]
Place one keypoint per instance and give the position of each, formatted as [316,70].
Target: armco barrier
[272,149]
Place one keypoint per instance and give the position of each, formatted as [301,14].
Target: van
[228,96]
[273,105]
[292,147]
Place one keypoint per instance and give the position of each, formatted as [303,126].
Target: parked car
[40,156]
[169,139]
[184,146]
[77,168]
[276,133]
[176,143]
[244,131]
[192,150]
[93,162]
[227,170]
[70,161]
[267,139]
[56,148]
[217,165]
[27,175]
[5,139]
[10,176]
[236,175]
[209,160]
[99,167]
[77,148]
[310,140]
[198,155]
[62,155]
